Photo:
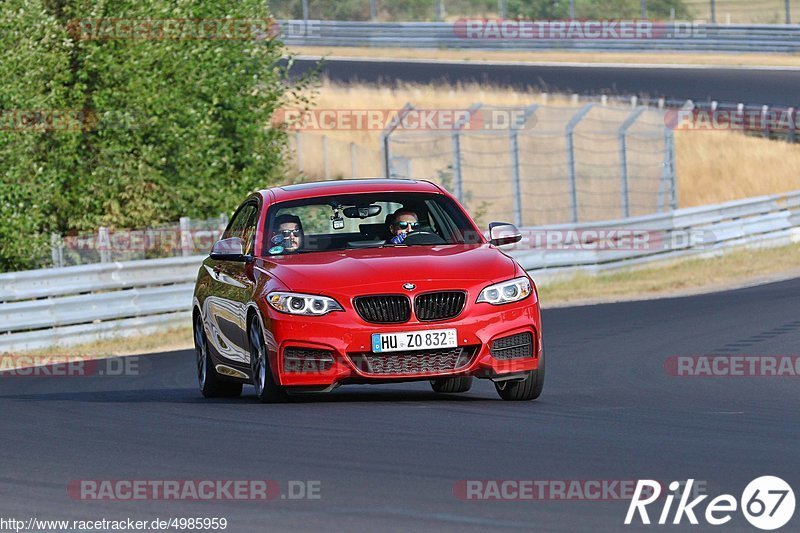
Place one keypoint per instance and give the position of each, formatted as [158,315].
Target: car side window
[249,231]
[243,225]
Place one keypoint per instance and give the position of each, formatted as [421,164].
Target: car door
[232,283]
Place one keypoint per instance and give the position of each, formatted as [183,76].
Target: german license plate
[414,340]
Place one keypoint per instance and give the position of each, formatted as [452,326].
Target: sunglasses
[286,233]
[405,225]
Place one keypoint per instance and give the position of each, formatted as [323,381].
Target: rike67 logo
[767,503]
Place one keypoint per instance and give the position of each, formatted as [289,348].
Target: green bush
[175,127]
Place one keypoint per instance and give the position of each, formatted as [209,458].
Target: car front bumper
[336,348]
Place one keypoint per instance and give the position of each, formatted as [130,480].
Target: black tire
[267,391]
[527,389]
[210,382]
[449,385]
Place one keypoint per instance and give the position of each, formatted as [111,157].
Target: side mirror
[503,233]
[231,249]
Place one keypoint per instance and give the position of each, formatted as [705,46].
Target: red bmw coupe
[323,284]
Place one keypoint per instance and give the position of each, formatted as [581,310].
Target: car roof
[348,186]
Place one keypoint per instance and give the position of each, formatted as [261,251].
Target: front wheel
[267,391]
[529,388]
[211,384]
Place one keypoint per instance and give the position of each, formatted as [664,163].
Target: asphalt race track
[750,86]
[390,455]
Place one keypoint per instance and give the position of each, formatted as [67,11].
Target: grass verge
[735,269]
[174,339]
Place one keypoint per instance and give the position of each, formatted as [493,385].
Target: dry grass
[175,339]
[743,267]
[712,167]
[743,11]
[555,56]
[719,166]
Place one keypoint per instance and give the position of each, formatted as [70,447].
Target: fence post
[353,162]
[572,9]
[501,8]
[104,244]
[668,178]
[57,250]
[792,117]
[438,6]
[305,16]
[788,11]
[326,171]
[529,111]
[623,160]
[299,148]
[713,12]
[644,9]
[186,237]
[373,10]
[387,158]
[573,182]
[457,177]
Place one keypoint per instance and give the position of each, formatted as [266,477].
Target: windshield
[366,221]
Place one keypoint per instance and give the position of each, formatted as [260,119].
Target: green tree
[171,127]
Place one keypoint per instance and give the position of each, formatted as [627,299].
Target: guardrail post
[791,135]
[623,160]
[104,245]
[529,111]
[788,11]
[186,237]
[572,9]
[387,158]
[573,181]
[373,10]
[713,12]
[501,8]
[764,121]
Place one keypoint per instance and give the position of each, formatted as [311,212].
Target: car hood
[388,268]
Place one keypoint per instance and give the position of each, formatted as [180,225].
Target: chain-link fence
[319,156]
[185,238]
[545,164]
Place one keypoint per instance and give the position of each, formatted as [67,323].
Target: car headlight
[506,292]
[302,304]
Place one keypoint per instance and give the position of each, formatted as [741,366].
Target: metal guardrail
[72,305]
[699,37]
